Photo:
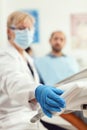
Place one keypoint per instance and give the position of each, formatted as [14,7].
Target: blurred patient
[56,62]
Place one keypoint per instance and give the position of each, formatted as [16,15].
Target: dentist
[19,82]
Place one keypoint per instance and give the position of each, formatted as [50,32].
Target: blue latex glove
[49,99]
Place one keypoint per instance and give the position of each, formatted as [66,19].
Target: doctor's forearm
[74,120]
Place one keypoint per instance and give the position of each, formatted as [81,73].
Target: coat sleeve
[14,83]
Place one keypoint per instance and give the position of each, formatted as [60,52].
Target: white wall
[54,15]
[2,21]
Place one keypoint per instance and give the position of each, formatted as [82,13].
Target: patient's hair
[53,33]
[18,17]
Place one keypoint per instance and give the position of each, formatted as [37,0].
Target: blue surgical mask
[23,38]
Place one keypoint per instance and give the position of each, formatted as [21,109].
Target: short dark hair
[53,33]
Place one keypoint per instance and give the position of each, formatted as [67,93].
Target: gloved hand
[49,99]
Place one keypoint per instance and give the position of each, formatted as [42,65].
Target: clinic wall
[2,21]
[53,14]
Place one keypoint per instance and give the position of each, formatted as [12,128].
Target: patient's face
[57,41]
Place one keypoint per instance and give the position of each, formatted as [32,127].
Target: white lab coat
[17,87]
